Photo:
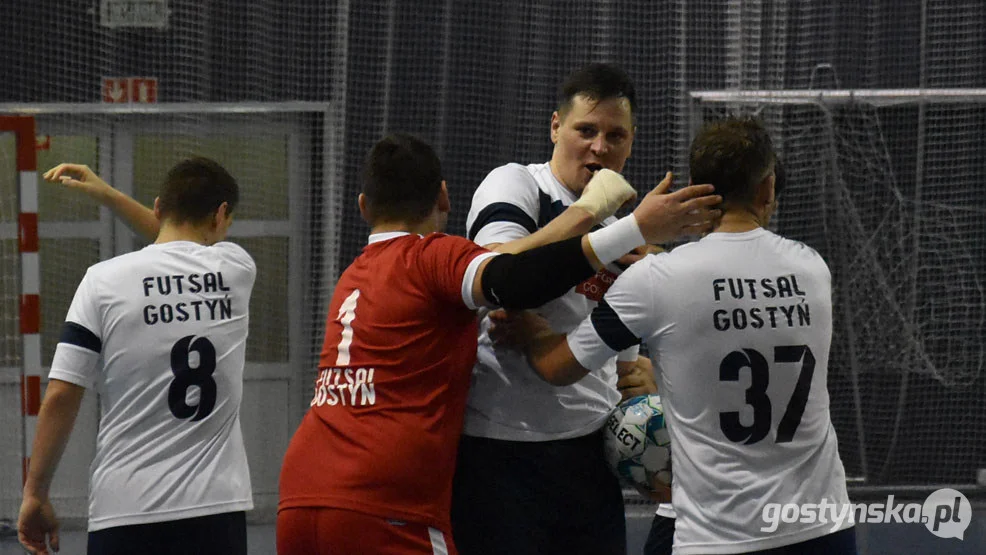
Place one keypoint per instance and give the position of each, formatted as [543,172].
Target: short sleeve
[80,343]
[446,263]
[632,299]
[504,207]
[619,321]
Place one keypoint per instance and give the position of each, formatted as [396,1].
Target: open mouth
[593,168]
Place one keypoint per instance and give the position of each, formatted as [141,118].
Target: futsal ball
[637,444]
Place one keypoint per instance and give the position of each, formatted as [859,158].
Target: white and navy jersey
[507,399]
[739,325]
[169,323]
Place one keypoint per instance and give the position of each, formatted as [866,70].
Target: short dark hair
[194,189]
[402,178]
[597,82]
[734,154]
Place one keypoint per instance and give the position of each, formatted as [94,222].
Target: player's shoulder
[231,248]
[504,189]
[672,271]
[235,254]
[667,262]
[446,242]
[116,266]
[413,245]
[429,257]
[103,279]
[798,250]
[515,170]
[511,177]
[140,260]
[647,272]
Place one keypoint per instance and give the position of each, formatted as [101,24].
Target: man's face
[589,136]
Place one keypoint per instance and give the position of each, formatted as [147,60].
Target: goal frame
[29,313]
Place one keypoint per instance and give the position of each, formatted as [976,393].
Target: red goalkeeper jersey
[385,419]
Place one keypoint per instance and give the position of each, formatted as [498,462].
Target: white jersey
[739,325]
[507,399]
[170,324]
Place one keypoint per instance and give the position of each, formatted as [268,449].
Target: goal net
[880,183]
[889,189]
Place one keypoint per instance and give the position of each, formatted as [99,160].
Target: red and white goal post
[29,314]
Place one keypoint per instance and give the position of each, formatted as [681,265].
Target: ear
[364,210]
[222,216]
[633,133]
[157,208]
[443,203]
[555,126]
[763,196]
[768,188]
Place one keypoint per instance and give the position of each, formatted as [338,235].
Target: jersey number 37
[756,394]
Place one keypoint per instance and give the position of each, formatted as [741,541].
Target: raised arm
[531,278]
[605,193]
[78,176]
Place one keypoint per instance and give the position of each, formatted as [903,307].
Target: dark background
[891,196]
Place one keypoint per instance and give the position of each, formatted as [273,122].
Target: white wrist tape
[605,193]
[613,241]
[629,354]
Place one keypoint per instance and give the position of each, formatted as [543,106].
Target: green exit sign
[134,13]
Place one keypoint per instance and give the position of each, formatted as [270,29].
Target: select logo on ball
[637,444]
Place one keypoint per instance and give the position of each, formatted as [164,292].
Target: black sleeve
[614,333]
[532,278]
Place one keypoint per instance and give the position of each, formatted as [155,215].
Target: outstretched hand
[37,526]
[78,176]
[663,217]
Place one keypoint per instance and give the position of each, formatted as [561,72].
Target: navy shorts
[205,535]
[660,536]
[536,498]
[842,542]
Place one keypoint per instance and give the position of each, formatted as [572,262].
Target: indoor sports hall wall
[889,190]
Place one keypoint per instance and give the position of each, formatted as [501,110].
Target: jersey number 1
[756,394]
[347,313]
[185,377]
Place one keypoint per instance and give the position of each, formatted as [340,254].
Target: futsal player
[531,475]
[369,469]
[161,334]
[739,325]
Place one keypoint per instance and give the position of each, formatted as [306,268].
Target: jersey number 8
[185,377]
